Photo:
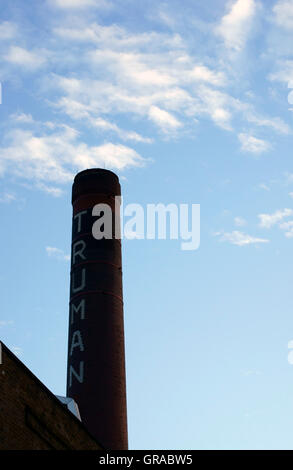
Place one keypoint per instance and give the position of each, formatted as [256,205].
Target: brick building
[31,417]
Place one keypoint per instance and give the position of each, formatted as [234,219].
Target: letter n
[78,376]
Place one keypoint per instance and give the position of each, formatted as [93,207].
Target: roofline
[46,389]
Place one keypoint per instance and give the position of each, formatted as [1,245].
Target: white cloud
[284,72]
[103,73]
[7,198]
[28,59]
[283,14]
[222,117]
[252,144]
[145,81]
[139,69]
[52,190]
[204,74]
[275,123]
[77,110]
[8,30]
[239,221]
[264,186]
[163,119]
[268,220]
[79,4]
[55,155]
[56,253]
[288,227]
[235,25]
[113,38]
[22,118]
[240,238]
[216,104]
[105,125]
[149,74]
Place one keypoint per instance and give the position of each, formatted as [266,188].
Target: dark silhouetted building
[31,417]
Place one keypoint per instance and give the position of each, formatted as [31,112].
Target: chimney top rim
[92,171]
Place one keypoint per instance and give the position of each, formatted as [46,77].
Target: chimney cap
[95,180]
[95,171]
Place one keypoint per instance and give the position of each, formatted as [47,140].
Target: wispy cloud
[110,81]
[153,76]
[284,72]
[277,124]
[6,198]
[202,73]
[283,14]
[27,59]
[288,228]
[239,238]
[52,190]
[252,144]
[235,26]
[281,36]
[21,118]
[264,186]
[163,119]
[77,110]
[268,220]
[79,4]
[56,253]
[54,155]
[8,30]
[239,221]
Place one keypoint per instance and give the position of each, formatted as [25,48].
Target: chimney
[96,357]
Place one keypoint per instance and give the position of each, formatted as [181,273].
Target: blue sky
[189,102]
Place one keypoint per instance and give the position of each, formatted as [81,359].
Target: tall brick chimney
[96,358]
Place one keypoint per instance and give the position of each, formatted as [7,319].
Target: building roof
[31,416]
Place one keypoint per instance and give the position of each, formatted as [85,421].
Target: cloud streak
[269,220]
[283,14]
[79,4]
[30,60]
[240,238]
[251,144]
[56,253]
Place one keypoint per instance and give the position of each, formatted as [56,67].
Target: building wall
[31,417]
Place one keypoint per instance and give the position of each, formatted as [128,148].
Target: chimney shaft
[96,358]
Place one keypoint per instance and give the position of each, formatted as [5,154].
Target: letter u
[82,283]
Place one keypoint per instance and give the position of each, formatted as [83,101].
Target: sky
[188,102]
